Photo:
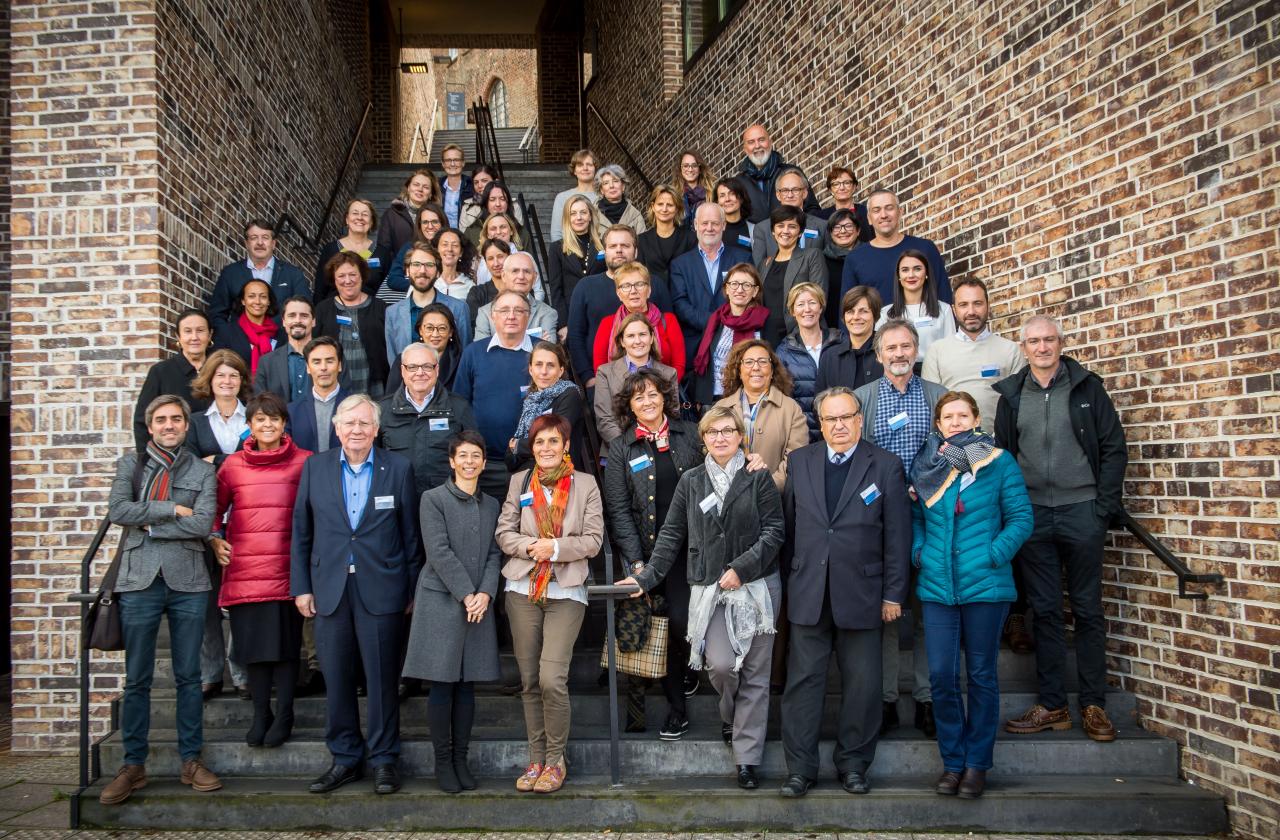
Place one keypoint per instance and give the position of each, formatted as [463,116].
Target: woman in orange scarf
[552,524]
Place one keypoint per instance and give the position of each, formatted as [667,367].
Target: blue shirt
[263,274]
[452,201]
[712,267]
[299,379]
[356,484]
[901,436]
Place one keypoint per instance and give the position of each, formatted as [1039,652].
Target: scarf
[722,477]
[748,612]
[654,316]
[538,403]
[157,487]
[549,517]
[744,326]
[833,251]
[612,210]
[940,461]
[260,336]
[661,438]
[762,175]
[693,198]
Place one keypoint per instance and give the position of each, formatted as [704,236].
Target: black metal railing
[487,139]
[634,165]
[535,243]
[89,771]
[1161,551]
[287,221]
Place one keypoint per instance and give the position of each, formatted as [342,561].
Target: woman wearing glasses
[757,388]
[633,284]
[842,237]
[739,318]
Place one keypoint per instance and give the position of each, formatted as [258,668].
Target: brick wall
[559,98]
[143,134]
[475,71]
[416,94]
[6,197]
[1110,163]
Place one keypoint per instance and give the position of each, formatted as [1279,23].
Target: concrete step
[503,752]
[1013,803]
[508,142]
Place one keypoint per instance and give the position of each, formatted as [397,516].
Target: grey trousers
[215,649]
[890,656]
[744,694]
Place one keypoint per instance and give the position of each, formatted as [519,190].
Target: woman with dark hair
[741,317]
[253,332]
[362,221]
[635,348]
[696,182]
[256,490]
[400,220]
[647,460]
[551,390]
[800,351]
[493,254]
[358,322]
[551,525]
[224,382]
[790,266]
[841,186]
[736,204]
[842,237]
[757,387]
[436,328]
[915,299]
[668,235]
[456,257]
[614,206]
[453,638]
[429,221]
[496,199]
[481,176]
[579,253]
[853,363]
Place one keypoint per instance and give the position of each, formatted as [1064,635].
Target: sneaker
[674,728]
[690,683]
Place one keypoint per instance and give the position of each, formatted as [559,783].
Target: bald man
[759,170]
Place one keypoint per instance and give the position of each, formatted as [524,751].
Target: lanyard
[749,414]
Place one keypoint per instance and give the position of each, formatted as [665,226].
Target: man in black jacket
[284,278]
[283,371]
[175,374]
[759,170]
[1056,418]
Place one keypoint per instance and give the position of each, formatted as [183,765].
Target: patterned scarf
[549,517]
[761,174]
[157,487]
[661,438]
[259,336]
[940,461]
[744,326]
[538,403]
[653,314]
[722,477]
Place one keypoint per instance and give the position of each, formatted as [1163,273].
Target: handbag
[102,629]
[650,661]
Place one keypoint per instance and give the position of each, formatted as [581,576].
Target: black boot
[260,687]
[464,715]
[439,718]
[285,677]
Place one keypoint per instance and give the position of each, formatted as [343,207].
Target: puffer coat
[259,488]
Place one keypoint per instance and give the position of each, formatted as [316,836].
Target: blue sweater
[491,381]
[867,265]
[964,557]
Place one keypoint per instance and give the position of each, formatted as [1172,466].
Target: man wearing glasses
[455,185]
[423,265]
[792,190]
[849,533]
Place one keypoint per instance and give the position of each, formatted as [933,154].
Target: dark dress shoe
[335,777]
[889,718]
[924,719]
[280,730]
[258,729]
[747,777]
[854,782]
[211,690]
[243,692]
[948,784]
[726,732]
[796,786]
[972,783]
[386,779]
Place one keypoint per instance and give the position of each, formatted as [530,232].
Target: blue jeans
[965,741]
[140,614]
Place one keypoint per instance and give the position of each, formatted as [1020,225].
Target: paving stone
[52,815]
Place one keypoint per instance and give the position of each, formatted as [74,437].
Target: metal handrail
[617,141]
[534,240]
[413,147]
[487,139]
[431,130]
[84,598]
[286,219]
[528,141]
[1163,554]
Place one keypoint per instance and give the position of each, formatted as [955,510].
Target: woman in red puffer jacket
[258,484]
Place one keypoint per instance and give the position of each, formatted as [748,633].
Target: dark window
[702,21]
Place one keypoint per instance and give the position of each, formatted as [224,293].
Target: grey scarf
[721,478]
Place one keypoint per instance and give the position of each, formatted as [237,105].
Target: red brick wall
[1113,164]
[6,198]
[475,71]
[559,97]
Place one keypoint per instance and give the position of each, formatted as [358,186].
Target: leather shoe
[854,782]
[924,719]
[747,777]
[972,783]
[726,732]
[948,784]
[210,690]
[386,779]
[888,718]
[335,777]
[1038,719]
[796,786]
[1015,633]
[1097,725]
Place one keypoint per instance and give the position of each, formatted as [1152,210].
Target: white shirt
[419,407]
[525,344]
[228,432]
[964,336]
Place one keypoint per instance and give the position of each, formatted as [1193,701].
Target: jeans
[140,614]
[965,741]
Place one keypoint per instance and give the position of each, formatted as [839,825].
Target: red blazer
[259,488]
[670,334]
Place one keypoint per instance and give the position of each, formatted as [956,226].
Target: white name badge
[384,502]
[274,342]
[375,262]
[535,332]
[524,389]
[638,464]
[990,372]
[344,320]
[924,322]
[526,499]
[870,494]
[708,504]
[438,424]
[898,421]
[965,480]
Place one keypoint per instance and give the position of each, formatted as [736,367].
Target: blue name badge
[744,241]
[638,464]
[990,371]
[600,255]
[244,435]
[526,499]
[438,424]
[809,233]
[375,262]
[898,421]
[870,494]
[535,332]
[344,320]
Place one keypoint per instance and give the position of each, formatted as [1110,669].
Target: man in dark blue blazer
[312,413]
[284,278]
[356,553]
[849,526]
[697,277]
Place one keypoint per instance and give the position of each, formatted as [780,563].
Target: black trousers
[1067,538]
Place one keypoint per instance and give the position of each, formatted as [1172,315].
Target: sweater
[493,380]
[959,364]
[868,265]
[1058,473]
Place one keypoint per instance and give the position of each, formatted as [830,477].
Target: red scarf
[744,326]
[661,438]
[654,316]
[259,336]
[549,516]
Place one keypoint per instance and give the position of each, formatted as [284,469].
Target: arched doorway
[497,100]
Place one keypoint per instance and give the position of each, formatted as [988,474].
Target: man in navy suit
[849,521]
[356,554]
[697,277]
[284,278]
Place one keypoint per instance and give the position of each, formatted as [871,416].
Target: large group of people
[791,425]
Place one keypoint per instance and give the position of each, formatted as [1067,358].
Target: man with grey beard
[759,170]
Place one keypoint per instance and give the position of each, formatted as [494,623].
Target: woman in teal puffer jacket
[970,517]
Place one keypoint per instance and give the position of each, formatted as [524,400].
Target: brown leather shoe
[200,778]
[129,778]
[1038,719]
[948,784]
[1015,630]
[972,783]
[1096,724]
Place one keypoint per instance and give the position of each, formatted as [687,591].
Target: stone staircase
[1054,782]
[508,143]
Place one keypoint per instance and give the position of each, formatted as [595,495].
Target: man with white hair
[520,275]
[355,556]
[697,276]
[1057,419]
[759,170]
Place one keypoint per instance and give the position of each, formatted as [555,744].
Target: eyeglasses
[452,159]
[756,364]
[740,284]
[511,310]
[423,265]
[840,419]
[426,367]
[690,166]
[633,287]
[713,434]
[435,329]
[843,182]
[789,190]
[355,424]
[844,227]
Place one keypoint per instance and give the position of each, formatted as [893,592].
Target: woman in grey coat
[452,640]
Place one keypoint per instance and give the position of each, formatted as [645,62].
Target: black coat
[1093,419]
[396,227]
[863,553]
[379,263]
[765,202]
[628,494]
[202,442]
[745,536]
[172,376]
[563,273]
[568,405]
[843,365]
[657,253]
[287,280]
[423,439]
[372,326]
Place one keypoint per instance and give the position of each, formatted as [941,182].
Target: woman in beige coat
[551,525]
[758,388]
